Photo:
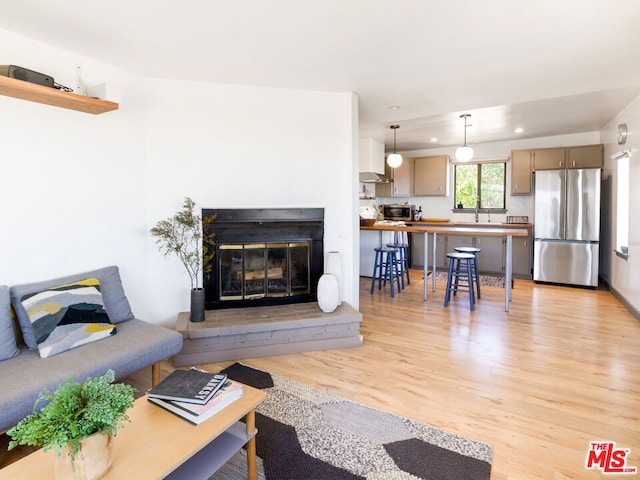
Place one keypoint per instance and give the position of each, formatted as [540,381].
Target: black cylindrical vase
[197,304]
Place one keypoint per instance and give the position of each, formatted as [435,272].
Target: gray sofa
[24,373]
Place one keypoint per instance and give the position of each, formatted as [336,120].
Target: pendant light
[464,153]
[394,160]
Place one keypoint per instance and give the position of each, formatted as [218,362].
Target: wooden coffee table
[159,444]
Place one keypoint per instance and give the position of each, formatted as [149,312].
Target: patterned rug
[307,434]
[485,280]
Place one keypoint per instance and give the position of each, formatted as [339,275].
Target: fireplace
[263,256]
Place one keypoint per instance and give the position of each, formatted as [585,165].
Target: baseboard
[623,300]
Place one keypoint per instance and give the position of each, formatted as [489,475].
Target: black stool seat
[474,251]
[460,276]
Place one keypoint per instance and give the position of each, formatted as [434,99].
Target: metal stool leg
[475,265]
[472,300]
[390,268]
[447,295]
[398,273]
[376,268]
[457,275]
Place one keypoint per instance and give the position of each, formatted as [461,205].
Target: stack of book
[195,395]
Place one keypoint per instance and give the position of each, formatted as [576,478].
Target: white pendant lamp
[464,153]
[394,160]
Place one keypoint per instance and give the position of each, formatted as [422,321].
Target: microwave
[398,212]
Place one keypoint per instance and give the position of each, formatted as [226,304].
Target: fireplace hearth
[264,256]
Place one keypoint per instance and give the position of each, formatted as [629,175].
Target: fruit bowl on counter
[367,222]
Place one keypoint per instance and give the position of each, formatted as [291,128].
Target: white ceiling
[550,66]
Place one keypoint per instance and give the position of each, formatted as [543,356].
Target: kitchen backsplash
[442,207]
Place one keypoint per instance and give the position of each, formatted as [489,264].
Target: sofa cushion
[115,302]
[67,316]
[8,347]
[137,345]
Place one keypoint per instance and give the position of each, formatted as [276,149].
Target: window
[622,224]
[480,185]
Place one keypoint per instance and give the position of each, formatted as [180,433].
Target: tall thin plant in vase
[182,235]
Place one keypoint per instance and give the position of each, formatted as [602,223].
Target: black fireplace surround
[263,256]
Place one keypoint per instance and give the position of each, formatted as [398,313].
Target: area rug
[485,280]
[306,434]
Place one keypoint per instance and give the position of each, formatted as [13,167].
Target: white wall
[228,146]
[72,196]
[624,274]
[81,191]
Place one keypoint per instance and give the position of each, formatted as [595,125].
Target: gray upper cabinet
[430,176]
[400,185]
[521,161]
[549,158]
[588,156]
[584,156]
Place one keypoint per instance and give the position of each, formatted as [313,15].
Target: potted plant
[182,235]
[78,421]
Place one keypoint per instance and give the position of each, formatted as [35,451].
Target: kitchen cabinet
[452,241]
[431,175]
[583,156]
[491,257]
[400,185]
[371,156]
[521,256]
[417,251]
[521,163]
[549,158]
[587,156]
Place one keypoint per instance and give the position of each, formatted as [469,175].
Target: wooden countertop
[499,229]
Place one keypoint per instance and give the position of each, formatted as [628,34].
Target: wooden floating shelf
[12,87]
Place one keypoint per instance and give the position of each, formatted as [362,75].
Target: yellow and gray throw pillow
[67,316]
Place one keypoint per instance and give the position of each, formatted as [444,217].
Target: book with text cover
[196,414]
[192,386]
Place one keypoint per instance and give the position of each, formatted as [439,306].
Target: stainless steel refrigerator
[567,226]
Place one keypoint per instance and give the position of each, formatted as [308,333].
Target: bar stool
[402,245]
[474,251]
[385,267]
[460,277]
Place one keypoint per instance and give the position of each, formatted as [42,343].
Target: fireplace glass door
[257,270]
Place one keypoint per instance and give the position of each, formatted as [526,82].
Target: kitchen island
[506,230]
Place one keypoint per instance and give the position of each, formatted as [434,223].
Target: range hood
[373,177]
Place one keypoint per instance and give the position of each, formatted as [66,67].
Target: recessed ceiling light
[434,139]
[394,107]
[519,130]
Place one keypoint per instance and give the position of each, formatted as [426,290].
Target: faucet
[476,214]
[488,216]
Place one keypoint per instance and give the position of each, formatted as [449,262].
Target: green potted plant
[182,235]
[78,422]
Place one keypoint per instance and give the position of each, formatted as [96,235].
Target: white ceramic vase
[328,293]
[334,267]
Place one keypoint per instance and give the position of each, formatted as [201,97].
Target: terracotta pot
[92,460]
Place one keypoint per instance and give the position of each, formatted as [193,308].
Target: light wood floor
[561,369]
